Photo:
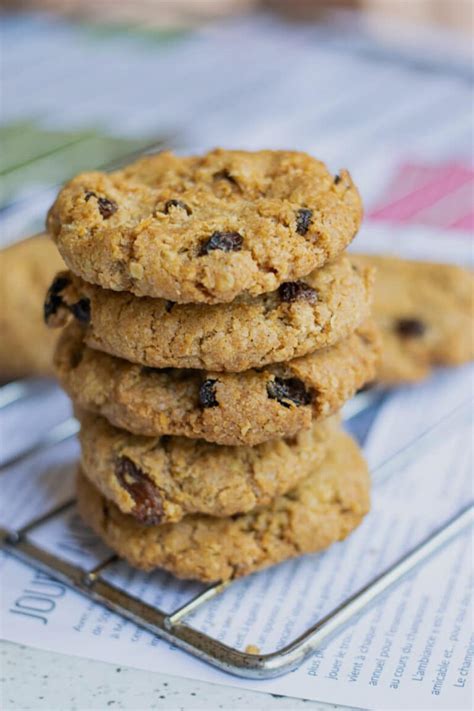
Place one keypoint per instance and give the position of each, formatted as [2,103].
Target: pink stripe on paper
[464,223]
[437,195]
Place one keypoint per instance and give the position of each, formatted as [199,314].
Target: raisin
[224,241]
[169,306]
[177,203]
[106,207]
[297,291]
[337,179]
[53,299]
[59,284]
[410,327]
[148,502]
[289,390]
[207,394]
[225,175]
[81,310]
[51,306]
[303,220]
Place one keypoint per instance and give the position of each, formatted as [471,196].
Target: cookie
[161,479]
[425,313]
[322,509]
[26,346]
[249,333]
[226,408]
[205,229]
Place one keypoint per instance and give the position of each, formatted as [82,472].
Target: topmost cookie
[205,228]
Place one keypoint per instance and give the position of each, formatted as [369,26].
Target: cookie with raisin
[296,319]
[425,315]
[324,507]
[245,408]
[205,229]
[162,479]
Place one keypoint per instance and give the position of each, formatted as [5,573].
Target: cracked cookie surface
[425,314]
[161,479]
[226,408]
[297,319]
[322,509]
[205,229]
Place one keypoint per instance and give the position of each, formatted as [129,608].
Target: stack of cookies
[213,329]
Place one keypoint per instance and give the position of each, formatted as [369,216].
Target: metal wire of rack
[171,626]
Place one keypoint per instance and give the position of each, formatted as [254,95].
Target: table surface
[36,679]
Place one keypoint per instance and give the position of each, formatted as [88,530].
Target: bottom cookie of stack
[321,509]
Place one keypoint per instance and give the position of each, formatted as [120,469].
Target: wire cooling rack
[172,626]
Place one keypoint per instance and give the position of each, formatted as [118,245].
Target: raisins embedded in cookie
[303,220]
[238,209]
[298,318]
[289,391]
[222,241]
[297,291]
[207,394]
[410,327]
[147,500]
[233,409]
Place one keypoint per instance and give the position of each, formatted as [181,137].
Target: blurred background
[382,87]
[374,85]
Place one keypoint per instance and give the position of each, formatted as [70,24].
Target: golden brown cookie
[226,408]
[295,320]
[161,479]
[425,313]
[26,345]
[205,229]
[323,508]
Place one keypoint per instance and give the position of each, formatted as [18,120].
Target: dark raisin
[59,284]
[337,179]
[289,390]
[207,394]
[224,241]
[81,310]
[303,220]
[51,306]
[177,203]
[53,299]
[169,306]
[106,207]
[297,291]
[225,175]
[148,502]
[410,327]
